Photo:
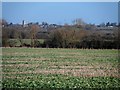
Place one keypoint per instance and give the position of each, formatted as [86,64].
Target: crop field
[59,68]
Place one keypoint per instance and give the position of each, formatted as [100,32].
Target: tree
[66,37]
[79,22]
[34,29]
[4,22]
[108,24]
[5,38]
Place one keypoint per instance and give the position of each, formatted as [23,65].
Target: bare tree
[5,38]
[34,29]
[79,22]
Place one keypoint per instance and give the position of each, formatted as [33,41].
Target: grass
[26,41]
[60,68]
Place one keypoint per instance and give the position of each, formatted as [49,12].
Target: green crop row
[60,81]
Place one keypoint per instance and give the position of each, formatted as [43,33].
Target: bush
[37,43]
[12,43]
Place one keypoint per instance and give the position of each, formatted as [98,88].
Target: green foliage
[61,81]
[20,42]
[12,43]
[39,43]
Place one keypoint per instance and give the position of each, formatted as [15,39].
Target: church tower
[23,23]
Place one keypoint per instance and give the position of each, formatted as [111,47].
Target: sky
[60,0]
[60,12]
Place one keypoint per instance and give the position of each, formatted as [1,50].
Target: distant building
[105,28]
[23,23]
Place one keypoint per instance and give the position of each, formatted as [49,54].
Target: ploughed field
[59,68]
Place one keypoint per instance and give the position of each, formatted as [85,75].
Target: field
[59,68]
[16,42]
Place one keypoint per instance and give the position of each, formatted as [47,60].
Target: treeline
[66,36]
